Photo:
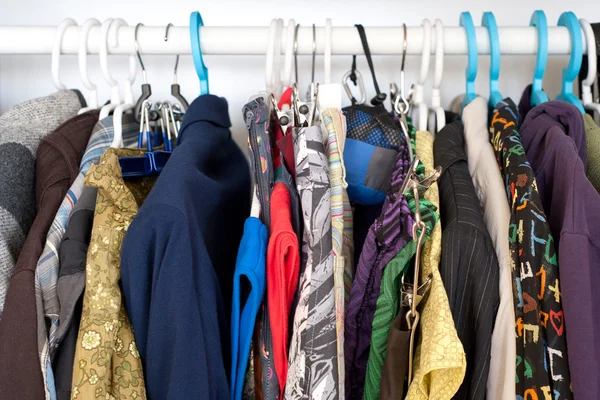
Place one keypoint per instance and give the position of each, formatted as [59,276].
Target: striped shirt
[334,126]
[46,274]
[469,266]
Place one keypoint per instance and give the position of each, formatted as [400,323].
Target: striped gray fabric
[21,130]
[469,265]
[313,364]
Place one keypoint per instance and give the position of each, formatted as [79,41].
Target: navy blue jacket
[179,255]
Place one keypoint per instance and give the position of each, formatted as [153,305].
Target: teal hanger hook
[489,22]
[538,96]
[471,73]
[201,70]
[570,73]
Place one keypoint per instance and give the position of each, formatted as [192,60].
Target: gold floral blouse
[107,363]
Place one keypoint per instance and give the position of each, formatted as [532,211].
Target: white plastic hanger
[438,120]
[420,111]
[60,32]
[92,100]
[330,94]
[289,53]
[588,82]
[129,101]
[273,55]
[115,97]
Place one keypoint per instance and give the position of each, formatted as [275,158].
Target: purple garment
[554,139]
[386,237]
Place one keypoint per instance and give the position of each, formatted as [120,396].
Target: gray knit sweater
[21,129]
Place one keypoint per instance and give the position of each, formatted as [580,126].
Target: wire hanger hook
[137,51]
[402,97]
[176,57]
[296,52]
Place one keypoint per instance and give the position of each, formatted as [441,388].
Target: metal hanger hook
[176,57]
[314,53]
[402,96]
[296,52]
[311,88]
[137,50]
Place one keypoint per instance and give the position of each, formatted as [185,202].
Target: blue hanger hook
[538,96]
[201,70]
[489,22]
[569,20]
[467,22]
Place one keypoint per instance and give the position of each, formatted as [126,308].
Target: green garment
[388,303]
[592,141]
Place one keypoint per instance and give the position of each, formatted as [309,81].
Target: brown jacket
[57,166]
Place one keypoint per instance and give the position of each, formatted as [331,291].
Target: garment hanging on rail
[171,277]
[469,267]
[313,365]
[439,361]
[257,117]
[592,139]
[539,328]
[106,346]
[23,128]
[72,256]
[496,215]
[386,370]
[46,273]
[56,166]
[553,138]
[179,256]
[334,126]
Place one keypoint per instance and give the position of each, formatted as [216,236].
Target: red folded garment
[283,267]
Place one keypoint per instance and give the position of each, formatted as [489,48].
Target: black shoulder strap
[380,98]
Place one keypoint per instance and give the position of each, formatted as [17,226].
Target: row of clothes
[502,229]
[116,287]
[364,260]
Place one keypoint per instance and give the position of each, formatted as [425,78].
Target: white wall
[237,78]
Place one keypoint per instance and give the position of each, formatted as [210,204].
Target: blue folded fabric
[368,171]
[251,264]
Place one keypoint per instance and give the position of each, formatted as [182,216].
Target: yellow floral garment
[439,363]
[107,363]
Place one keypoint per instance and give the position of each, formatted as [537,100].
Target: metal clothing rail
[253,40]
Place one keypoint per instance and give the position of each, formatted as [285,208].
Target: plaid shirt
[46,274]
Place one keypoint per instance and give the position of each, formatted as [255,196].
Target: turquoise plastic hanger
[489,22]
[571,72]
[538,96]
[471,73]
[201,70]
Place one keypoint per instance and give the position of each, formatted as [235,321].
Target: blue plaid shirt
[46,273]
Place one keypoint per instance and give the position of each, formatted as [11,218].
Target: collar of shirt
[537,136]
[207,108]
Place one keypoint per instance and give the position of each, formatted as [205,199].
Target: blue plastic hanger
[538,96]
[201,70]
[571,72]
[489,22]
[150,163]
[471,73]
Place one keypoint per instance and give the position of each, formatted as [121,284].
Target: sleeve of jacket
[174,302]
